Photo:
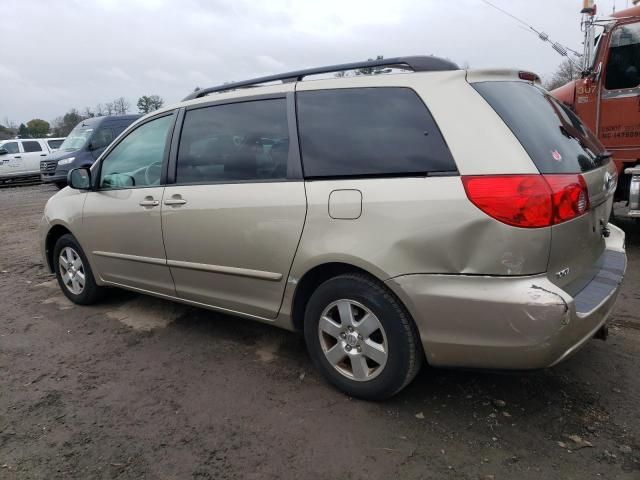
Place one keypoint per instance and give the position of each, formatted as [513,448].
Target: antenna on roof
[558,47]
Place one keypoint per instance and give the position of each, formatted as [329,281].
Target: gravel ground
[141,388]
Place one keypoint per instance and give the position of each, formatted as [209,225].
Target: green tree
[149,103]
[62,126]
[23,131]
[38,128]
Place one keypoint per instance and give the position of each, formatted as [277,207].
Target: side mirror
[3,151]
[79,178]
[595,73]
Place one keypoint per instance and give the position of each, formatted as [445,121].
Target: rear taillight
[529,201]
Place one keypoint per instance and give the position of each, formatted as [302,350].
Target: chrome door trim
[242,272]
[132,258]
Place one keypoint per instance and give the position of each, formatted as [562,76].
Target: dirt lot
[141,388]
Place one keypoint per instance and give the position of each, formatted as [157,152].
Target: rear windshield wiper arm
[600,157]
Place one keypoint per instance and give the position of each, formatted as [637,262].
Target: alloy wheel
[353,340]
[72,270]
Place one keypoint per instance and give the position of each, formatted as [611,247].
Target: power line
[558,47]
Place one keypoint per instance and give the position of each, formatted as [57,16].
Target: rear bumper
[509,322]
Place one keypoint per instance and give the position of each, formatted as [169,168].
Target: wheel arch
[315,276]
[55,232]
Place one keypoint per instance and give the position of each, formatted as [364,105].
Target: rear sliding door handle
[175,201]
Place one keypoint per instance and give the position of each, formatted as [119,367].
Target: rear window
[553,136]
[369,131]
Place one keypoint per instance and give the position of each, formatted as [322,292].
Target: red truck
[607,97]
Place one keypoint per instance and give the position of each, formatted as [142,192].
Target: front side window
[137,160]
[246,141]
[369,131]
[11,147]
[623,65]
[102,138]
[31,147]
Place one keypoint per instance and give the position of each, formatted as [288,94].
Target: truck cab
[607,97]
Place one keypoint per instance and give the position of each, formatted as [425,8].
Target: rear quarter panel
[427,224]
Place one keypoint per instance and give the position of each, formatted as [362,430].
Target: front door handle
[43,154]
[17,156]
[149,202]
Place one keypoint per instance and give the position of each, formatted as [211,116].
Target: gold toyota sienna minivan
[424,214]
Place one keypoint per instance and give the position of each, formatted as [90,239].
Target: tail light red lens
[529,201]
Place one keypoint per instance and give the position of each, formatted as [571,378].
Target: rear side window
[369,131]
[553,136]
[31,147]
[246,141]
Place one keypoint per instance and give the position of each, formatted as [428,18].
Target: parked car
[453,216]
[83,146]
[21,157]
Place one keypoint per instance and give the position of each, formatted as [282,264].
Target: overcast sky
[61,54]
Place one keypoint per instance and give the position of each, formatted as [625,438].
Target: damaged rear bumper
[509,322]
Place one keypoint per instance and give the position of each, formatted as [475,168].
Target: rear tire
[361,337]
[73,272]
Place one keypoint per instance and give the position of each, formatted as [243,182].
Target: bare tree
[121,106]
[99,110]
[109,108]
[88,113]
[565,73]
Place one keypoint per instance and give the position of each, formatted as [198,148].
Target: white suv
[21,157]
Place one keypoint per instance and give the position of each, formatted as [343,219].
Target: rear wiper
[600,157]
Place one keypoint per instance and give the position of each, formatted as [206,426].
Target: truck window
[623,65]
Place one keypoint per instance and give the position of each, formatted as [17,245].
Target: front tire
[361,337]
[73,272]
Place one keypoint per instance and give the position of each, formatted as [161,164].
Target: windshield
[76,139]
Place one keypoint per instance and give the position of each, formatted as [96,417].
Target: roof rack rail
[415,63]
